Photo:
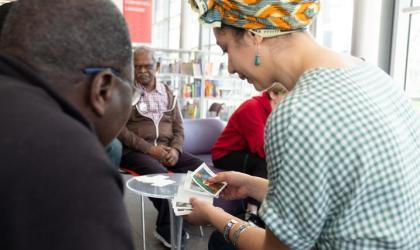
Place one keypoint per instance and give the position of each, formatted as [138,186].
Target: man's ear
[157,66]
[101,91]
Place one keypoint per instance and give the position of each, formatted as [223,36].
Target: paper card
[162,183]
[201,175]
[181,204]
[148,179]
[184,195]
[190,185]
[182,212]
[181,208]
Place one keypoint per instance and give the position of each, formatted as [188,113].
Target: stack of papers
[157,180]
[196,184]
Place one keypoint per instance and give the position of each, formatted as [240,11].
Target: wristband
[227,229]
[242,228]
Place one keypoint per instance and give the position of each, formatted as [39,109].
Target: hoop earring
[257,60]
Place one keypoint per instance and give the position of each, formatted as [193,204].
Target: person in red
[240,147]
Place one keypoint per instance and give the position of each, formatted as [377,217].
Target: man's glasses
[91,71]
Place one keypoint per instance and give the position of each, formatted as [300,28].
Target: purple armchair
[200,135]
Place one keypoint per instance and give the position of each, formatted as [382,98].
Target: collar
[159,88]
[15,68]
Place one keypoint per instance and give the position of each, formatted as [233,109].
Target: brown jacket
[140,132]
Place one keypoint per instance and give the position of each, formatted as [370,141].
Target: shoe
[254,220]
[163,234]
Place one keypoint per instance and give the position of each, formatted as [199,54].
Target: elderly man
[153,137]
[65,90]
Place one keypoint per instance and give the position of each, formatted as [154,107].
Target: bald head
[59,38]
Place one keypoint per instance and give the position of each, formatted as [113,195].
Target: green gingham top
[343,154]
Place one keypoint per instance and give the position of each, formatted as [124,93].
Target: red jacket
[245,129]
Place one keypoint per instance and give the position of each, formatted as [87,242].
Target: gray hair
[145,49]
[59,38]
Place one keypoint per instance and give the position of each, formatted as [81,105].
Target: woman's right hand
[237,187]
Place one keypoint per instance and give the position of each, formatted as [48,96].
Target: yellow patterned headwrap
[267,18]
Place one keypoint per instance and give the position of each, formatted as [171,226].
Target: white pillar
[372,31]
[186,26]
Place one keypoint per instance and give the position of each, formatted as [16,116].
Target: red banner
[138,14]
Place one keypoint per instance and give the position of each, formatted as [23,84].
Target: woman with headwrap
[342,150]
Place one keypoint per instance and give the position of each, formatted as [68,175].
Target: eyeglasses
[91,71]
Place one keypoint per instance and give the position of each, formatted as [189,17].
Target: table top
[146,189]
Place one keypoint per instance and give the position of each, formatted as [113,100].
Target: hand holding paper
[196,185]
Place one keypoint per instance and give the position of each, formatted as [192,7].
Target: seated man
[65,90]
[153,136]
[240,147]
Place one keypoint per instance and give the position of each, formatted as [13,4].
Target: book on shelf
[191,110]
[211,88]
[196,69]
[173,67]
[191,89]
[209,69]
[187,68]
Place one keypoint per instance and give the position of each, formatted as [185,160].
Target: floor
[132,202]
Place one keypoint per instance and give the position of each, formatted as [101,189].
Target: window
[405,67]
[412,81]
[333,26]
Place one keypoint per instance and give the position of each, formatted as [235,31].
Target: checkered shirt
[343,154]
[156,102]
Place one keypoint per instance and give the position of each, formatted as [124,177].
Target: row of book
[193,68]
[191,89]
[211,89]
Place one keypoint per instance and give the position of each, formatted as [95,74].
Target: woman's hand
[237,187]
[200,213]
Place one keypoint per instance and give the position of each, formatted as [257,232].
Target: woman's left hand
[200,213]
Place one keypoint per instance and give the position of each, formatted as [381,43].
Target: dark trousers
[217,242]
[245,162]
[144,164]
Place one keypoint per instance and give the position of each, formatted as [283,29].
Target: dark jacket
[141,133]
[58,190]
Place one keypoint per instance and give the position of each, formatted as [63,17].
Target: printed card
[201,175]
[196,185]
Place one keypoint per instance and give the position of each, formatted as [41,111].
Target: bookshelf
[199,79]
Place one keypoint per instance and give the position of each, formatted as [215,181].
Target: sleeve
[296,205]
[251,122]
[73,195]
[132,141]
[177,141]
